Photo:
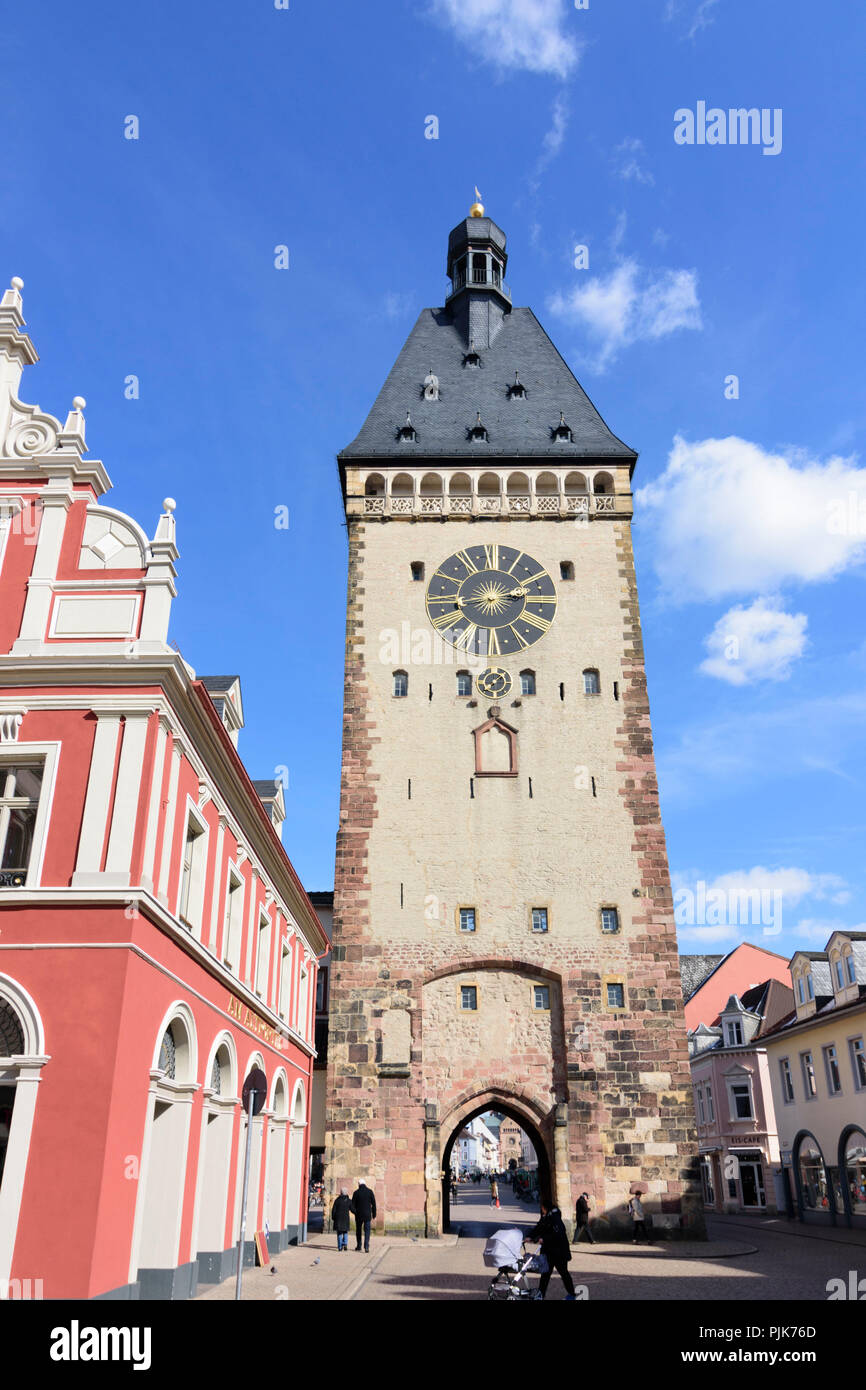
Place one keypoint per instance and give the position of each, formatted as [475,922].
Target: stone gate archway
[548,1133]
[515,1113]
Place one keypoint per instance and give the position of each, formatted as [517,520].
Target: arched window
[464,683]
[401,684]
[168,1054]
[591,684]
[813,1189]
[852,1158]
[527,682]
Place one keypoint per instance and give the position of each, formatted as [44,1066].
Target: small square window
[468,997]
[417,570]
[566,569]
[539,919]
[609,919]
[467,919]
[541,994]
[616,996]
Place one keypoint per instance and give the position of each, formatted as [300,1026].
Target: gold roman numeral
[446,619]
[493,642]
[543,624]
[465,559]
[491,555]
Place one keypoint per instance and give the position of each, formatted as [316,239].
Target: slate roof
[517,427]
[694,970]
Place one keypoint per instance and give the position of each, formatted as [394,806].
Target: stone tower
[503,921]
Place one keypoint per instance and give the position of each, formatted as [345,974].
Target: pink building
[156,944]
[737,1135]
[709,981]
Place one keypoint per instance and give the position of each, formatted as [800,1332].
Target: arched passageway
[454,1126]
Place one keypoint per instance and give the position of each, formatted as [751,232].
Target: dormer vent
[471,358]
[431,386]
[517,390]
[407,431]
[562,430]
[477,431]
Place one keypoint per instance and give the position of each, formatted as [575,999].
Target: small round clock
[494,600]
[494,682]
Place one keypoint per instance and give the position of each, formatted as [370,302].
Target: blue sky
[305,127]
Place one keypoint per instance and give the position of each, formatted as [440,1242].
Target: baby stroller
[504,1252]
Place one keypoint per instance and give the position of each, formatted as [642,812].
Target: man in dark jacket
[581,1218]
[554,1246]
[364,1207]
[340,1212]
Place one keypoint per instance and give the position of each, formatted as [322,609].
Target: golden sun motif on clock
[493,600]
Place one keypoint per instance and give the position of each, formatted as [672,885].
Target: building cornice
[147,906]
[206,744]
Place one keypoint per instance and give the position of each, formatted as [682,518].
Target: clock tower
[503,921]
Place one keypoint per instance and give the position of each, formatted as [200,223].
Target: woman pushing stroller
[553,1236]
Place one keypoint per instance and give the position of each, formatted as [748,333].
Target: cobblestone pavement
[745,1259]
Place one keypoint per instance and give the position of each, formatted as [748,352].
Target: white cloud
[699,16]
[818,930]
[731,518]
[779,742]
[630,304]
[552,142]
[516,34]
[628,164]
[750,904]
[756,643]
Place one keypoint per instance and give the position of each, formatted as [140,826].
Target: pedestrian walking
[454,1187]
[494,1192]
[636,1212]
[340,1213]
[551,1232]
[581,1219]
[364,1207]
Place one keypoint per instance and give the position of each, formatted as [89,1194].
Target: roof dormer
[810,977]
[846,955]
[225,691]
[271,796]
[739,1025]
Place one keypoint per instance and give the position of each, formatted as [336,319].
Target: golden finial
[477,208]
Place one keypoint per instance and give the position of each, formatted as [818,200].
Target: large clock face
[491,599]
